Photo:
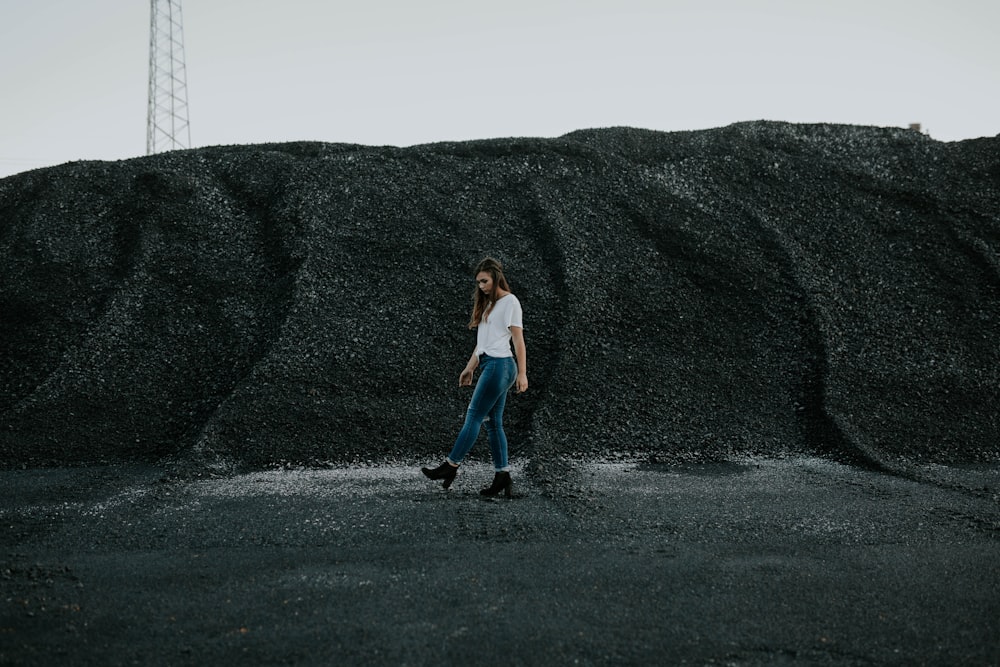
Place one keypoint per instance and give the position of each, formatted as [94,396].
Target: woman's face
[485,282]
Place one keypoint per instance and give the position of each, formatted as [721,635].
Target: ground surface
[755,562]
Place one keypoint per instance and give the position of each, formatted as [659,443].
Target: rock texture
[763,287]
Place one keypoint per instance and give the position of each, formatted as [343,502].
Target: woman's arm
[465,379]
[517,334]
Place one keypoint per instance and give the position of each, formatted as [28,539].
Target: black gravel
[220,367]
[751,563]
[763,288]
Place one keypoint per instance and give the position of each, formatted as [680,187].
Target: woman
[496,313]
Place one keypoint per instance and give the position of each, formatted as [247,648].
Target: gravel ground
[755,561]
[762,425]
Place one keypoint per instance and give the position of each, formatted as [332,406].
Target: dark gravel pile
[764,287]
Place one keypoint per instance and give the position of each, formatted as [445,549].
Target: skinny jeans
[496,377]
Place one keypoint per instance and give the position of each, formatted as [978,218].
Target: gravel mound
[763,288]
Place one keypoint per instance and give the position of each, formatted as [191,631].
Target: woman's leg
[490,387]
[494,423]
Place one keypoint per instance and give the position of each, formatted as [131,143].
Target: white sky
[73,73]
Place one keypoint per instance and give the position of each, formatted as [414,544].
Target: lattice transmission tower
[167,126]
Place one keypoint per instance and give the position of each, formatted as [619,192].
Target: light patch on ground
[353,481]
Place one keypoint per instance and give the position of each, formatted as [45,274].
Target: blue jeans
[496,376]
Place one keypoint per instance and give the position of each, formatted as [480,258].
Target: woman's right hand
[465,379]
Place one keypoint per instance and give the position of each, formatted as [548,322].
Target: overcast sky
[74,73]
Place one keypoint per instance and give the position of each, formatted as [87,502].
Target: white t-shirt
[493,333]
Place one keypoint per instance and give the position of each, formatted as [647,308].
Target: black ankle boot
[445,471]
[501,482]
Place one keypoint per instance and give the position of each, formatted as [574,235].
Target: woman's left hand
[522,383]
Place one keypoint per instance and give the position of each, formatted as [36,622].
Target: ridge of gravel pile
[763,288]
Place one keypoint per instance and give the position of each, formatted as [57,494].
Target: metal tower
[167,126]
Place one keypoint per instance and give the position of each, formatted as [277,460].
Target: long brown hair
[482,302]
